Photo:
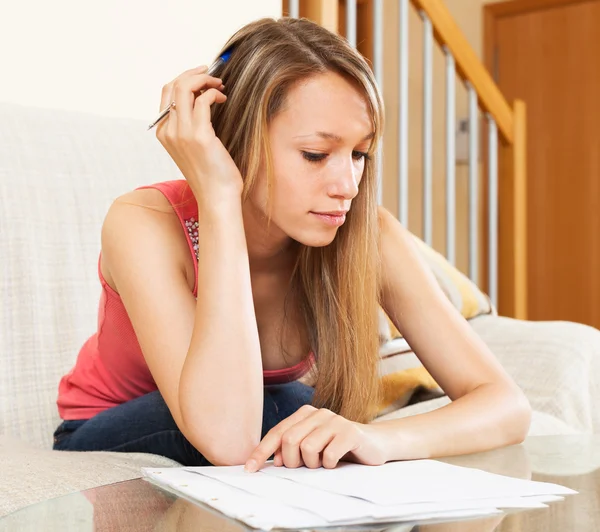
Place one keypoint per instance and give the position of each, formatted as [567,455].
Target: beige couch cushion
[30,475]
[59,172]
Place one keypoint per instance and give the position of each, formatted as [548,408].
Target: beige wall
[468,15]
[111,57]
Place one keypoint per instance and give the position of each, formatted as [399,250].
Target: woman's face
[319,142]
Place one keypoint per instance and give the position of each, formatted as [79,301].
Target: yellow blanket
[405,387]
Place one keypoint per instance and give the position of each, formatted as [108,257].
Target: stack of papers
[353,494]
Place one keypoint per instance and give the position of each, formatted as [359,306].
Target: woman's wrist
[399,442]
[224,206]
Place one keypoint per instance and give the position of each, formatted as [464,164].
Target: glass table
[137,505]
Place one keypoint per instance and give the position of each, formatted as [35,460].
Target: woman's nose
[345,182]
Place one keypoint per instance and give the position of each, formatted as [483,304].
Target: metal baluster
[450,157]
[427,129]
[378,71]
[403,116]
[294,8]
[473,182]
[351,22]
[493,210]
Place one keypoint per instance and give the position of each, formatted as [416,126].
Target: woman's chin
[314,240]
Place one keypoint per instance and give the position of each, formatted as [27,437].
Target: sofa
[59,172]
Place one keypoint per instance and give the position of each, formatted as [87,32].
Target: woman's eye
[316,157]
[313,157]
[360,155]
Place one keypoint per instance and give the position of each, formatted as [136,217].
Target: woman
[268,261]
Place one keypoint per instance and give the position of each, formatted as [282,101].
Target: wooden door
[547,52]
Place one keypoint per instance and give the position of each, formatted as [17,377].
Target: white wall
[111,57]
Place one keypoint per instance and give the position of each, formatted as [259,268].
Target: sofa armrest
[556,364]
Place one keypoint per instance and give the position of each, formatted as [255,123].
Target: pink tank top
[110,368]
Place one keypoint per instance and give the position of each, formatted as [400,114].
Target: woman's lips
[329,219]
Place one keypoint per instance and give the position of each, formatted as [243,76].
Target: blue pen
[223,58]
[220,61]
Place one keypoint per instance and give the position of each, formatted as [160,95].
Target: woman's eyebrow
[333,136]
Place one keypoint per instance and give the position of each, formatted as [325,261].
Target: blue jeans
[145,425]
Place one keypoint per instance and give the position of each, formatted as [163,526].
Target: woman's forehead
[327,100]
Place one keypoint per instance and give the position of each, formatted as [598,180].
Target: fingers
[336,449]
[301,444]
[167,97]
[167,90]
[181,122]
[180,90]
[201,112]
[185,98]
[272,440]
[313,438]
[314,446]
[323,450]
[277,459]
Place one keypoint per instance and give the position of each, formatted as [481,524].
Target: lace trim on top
[191,224]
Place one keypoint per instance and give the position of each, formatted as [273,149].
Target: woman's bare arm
[204,355]
[488,409]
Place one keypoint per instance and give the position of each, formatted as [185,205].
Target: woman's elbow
[224,449]
[519,418]
[230,457]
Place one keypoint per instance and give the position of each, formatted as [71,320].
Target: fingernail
[250,466]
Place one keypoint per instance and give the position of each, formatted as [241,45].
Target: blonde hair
[335,287]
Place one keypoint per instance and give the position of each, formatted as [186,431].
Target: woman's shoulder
[165,197]
[142,222]
[177,193]
[147,197]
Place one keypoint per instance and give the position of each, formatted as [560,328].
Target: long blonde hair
[336,286]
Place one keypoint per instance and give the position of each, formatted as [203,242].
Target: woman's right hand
[189,138]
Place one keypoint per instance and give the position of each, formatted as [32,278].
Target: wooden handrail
[469,66]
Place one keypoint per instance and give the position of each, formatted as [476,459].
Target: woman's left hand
[315,438]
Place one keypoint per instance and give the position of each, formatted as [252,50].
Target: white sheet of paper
[255,511]
[335,507]
[266,514]
[414,481]
[278,497]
